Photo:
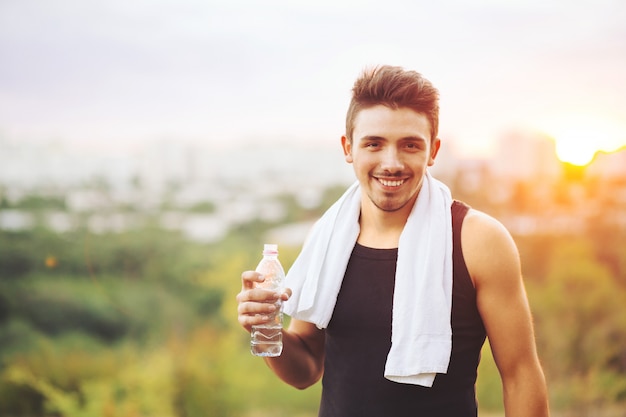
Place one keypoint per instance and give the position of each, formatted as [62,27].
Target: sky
[115,74]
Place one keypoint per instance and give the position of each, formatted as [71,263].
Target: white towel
[421,340]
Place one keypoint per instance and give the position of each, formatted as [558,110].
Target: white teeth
[388,183]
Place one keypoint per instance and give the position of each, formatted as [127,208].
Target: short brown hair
[394,87]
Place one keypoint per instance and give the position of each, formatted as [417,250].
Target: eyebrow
[406,138]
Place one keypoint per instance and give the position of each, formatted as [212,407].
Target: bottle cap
[270,249]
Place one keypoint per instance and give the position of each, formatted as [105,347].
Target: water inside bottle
[267,340]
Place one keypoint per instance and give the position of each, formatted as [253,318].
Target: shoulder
[478,221]
[488,248]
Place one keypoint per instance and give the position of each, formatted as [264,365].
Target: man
[399,332]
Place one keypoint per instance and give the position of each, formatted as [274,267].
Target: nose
[391,160]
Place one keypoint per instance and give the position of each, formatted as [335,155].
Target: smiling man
[398,285]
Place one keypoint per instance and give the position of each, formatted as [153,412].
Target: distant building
[608,165]
[526,155]
[447,162]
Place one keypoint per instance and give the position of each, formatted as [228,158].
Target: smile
[390,183]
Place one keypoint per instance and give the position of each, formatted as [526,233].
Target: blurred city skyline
[518,155]
[110,77]
[204,192]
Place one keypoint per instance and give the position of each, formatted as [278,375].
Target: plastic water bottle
[267,339]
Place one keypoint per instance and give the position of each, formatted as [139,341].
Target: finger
[254,314]
[247,321]
[286,295]
[249,279]
[258,295]
[254,309]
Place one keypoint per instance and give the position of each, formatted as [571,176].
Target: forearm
[298,366]
[526,395]
[301,362]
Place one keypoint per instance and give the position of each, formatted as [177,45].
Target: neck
[381,229]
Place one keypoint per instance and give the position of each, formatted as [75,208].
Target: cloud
[231,69]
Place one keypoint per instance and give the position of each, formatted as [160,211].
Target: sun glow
[578,140]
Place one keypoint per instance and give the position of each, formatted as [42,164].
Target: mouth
[390,183]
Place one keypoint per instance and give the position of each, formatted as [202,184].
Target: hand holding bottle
[256,304]
[260,300]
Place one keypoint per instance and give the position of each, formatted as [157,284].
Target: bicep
[301,363]
[494,264]
[310,336]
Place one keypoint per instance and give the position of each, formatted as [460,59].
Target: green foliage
[143,323]
[203,207]
[40,202]
[581,329]
[25,252]
[78,383]
[143,254]
[201,373]
[489,385]
[329,196]
[105,307]
[18,399]
[85,325]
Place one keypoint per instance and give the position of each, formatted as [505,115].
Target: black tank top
[358,339]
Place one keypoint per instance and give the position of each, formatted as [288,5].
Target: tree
[581,329]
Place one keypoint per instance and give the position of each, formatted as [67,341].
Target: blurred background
[148,149]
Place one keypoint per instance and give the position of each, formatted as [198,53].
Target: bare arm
[301,363]
[493,262]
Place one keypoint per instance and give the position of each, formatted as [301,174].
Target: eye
[373,145]
[414,146]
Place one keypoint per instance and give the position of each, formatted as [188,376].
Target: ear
[434,150]
[347,149]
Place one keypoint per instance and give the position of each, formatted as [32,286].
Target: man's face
[390,152]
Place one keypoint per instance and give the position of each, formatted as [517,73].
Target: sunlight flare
[578,139]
